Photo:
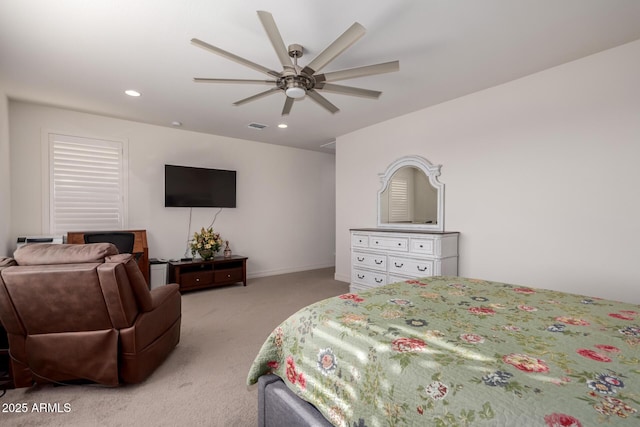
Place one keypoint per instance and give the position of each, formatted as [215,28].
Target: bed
[451,351]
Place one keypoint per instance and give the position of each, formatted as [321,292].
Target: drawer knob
[422,269]
[399,244]
[422,246]
[228,276]
[376,242]
[400,265]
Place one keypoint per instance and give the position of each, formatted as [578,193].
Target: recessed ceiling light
[282,126]
[176,123]
[132,92]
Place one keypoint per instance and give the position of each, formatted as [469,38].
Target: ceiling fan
[296,81]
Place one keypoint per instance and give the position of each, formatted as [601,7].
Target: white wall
[285,215]
[541,175]
[5,196]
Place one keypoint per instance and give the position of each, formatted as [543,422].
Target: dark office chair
[122,240]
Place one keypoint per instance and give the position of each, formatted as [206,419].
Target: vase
[227,251]
[206,254]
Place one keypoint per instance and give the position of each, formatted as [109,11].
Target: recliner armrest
[151,324]
[161,294]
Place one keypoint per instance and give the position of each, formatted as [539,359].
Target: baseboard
[342,278]
[275,272]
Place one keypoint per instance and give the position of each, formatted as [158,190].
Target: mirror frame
[432,172]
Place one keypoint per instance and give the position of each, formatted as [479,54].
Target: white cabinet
[159,274]
[382,256]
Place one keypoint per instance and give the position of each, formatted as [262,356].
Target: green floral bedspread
[449,351]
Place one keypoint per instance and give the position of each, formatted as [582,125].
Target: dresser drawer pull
[378,280]
[360,241]
[399,244]
[360,259]
[197,280]
[421,269]
[360,276]
[377,243]
[422,246]
[398,265]
[228,276]
[378,261]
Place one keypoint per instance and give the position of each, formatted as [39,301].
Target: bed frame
[278,406]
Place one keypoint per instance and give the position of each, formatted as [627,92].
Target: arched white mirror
[411,196]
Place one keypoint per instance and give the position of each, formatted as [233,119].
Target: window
[399,200]
[87,184]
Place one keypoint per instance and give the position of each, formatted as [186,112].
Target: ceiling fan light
[295,92]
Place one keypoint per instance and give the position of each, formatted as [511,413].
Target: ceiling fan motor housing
[296,86]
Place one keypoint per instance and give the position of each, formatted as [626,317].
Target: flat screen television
[191,187]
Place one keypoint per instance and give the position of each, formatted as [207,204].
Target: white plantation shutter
[399,200]
[87,184]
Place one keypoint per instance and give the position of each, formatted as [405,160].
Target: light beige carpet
[203,382]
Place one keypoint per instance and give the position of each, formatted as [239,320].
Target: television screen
[199,187]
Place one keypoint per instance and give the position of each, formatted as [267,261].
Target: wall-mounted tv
[191,187]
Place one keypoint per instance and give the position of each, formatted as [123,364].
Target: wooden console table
[139,247]
[198,274]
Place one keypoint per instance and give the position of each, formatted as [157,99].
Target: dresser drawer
[359,241]
[422,246]
[196,278]
[410,267]
[370,278]
[359,287]
[389,243]
[365,260]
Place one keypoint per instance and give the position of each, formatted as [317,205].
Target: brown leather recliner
[84,312]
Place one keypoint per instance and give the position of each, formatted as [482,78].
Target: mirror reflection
[409,198]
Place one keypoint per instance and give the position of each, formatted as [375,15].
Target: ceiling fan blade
[288,103]
[275,38]
[257,96]
[348,90]
[235,58]
[352,73]
[206,80]
[324,102]
[338,46]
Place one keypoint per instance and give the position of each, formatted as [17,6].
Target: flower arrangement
[206,243]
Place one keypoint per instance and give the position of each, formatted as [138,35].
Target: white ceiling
[83,55]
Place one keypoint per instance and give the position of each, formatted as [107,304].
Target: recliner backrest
[59,288]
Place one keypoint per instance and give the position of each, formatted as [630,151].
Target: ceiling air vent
[257,126]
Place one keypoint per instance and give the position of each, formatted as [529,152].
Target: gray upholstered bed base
[278,406]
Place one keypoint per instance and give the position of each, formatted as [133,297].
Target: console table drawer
[196,278]
[410,267]
[373,261]
[231,275]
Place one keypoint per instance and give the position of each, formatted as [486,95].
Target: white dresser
[383,256]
